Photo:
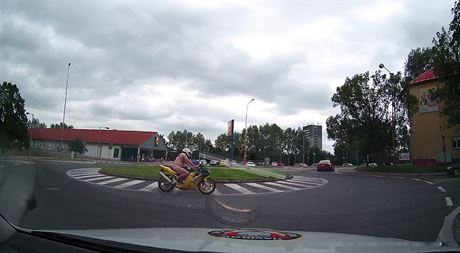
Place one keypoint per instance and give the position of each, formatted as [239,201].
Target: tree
[365,122]
[77,145]
[418,61]
[61,125]
[35,123]
[447,67]
[13,119]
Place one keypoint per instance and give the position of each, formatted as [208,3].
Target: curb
[392,174]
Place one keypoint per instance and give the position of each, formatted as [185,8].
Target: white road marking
[89,176]
[97,178]
[256,185]
[150,187]
[441,189]
[239,188]
[449,201]
[217,192]
[2,166]
[305,183]
[281,185]
[84,174]
[420,180]
[112,181]
[307,179]
[16,164]
[130,183]
[296,184]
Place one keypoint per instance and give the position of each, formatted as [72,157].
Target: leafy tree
[35,123]
[418,61]
[13,120]
[365,121]
[222,142]
[77,145]
[61,125]
[447,67]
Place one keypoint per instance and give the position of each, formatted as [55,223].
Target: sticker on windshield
[254,234]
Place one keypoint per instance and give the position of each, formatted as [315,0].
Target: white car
[250,164]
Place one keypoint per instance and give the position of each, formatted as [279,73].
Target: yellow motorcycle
[197,179]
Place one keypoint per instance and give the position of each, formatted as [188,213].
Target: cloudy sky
[165,65]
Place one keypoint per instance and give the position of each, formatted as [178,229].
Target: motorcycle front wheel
[207,186]
[164,185]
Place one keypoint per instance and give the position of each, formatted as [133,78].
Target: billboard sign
[230,127]
[404,156]
[428,100]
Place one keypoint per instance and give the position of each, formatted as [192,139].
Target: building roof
[425,76]
[92,135]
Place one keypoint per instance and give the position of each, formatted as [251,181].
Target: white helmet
[187,151]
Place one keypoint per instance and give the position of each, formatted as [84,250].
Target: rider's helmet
[187,151]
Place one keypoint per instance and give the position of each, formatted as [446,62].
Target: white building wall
[106,153]
[92,149]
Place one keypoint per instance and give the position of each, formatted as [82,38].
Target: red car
[325,165]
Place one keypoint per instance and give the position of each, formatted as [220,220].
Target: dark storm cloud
[119,48]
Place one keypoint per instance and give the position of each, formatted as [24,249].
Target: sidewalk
[353,171]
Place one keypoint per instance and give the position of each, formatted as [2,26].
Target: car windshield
[128,119]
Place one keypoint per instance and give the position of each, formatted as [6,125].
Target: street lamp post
[393,104]
[65,104]
[99,148]
[246,134]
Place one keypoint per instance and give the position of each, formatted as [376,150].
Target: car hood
[199,239]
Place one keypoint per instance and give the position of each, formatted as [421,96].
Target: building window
[456,142]
[115,152]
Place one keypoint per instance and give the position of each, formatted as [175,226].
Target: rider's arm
[189,162]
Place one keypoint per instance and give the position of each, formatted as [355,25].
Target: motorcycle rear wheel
[207,186]
[164,185]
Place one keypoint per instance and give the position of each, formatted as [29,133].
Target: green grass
[217,173]
[403,168]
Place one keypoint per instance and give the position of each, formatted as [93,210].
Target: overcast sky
[163,66]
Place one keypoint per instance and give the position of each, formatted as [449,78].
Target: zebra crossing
[296,183]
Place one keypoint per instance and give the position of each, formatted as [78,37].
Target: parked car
[347,165]
[250,164]
[214,162]
[325,165]
[373,165]
[203,162]
[277,164]
[454,169]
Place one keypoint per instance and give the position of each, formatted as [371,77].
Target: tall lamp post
[65,104]
[99,148]
[246,134]
[393,104]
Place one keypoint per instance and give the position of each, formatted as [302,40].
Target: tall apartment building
[313,133]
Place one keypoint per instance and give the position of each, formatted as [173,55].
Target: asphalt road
[377,206]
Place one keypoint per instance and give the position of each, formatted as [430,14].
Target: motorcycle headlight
[450,167]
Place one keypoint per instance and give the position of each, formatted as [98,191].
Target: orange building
[432,140]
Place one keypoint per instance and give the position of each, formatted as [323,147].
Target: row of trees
[264,141]
[363,130]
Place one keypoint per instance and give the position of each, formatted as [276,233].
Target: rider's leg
[181,172]
[182,175]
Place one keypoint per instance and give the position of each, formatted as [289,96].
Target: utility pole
[65,104]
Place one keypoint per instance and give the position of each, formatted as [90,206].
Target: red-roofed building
[104,144]
[432,140]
